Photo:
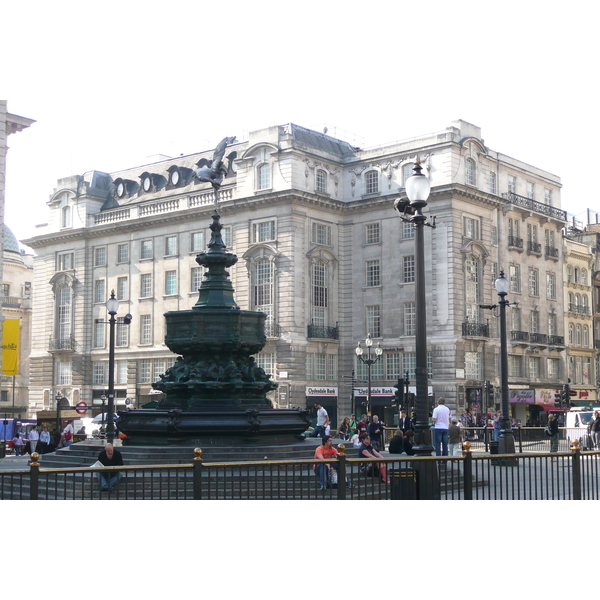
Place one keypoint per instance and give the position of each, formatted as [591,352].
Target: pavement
[15,463]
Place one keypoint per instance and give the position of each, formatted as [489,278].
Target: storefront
[531,407]
[327,397]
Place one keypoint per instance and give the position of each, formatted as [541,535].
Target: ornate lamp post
[112,306]
[411,210]
[369,362]
[59,399]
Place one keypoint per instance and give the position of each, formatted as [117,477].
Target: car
[576,425]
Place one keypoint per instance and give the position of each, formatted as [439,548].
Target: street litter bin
[494,450]
[403,484]
[2,449]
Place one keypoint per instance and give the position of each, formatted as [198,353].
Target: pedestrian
[454,438]
[67,434]
[595,430]
[324,471]
[441,422]
[362,426]
[44,441]
[17,444]
[322,420]
[405,422]
[552,431]
[376,432]
[497,426]
[344,429]
[397,443]
[34,437]
[109,457]
[409,442]
[366,450]
[352,425]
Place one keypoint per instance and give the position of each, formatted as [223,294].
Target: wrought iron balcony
[515,242]
[551,252]
[556,340]
[538,338]
[475,329]
[62,345]
[323,332]
[579,309]
[519,336]
[539,207]
[534,248]
[272,330]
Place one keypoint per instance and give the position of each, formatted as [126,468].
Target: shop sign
[375,391]
[544,397]
[321,391]
[521,396]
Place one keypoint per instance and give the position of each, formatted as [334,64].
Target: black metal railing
[475,329]
[571,474]
[272,330]
[519,336]
[539,207]
[534,247]
[556,340]
[579,309]
[323,332]
[538,338]
[62,345]
[551,252]
[515,242]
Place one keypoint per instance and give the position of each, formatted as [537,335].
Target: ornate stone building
[323,253]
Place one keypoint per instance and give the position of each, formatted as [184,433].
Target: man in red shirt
[324,470]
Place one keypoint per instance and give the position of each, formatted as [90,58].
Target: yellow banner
[10,346]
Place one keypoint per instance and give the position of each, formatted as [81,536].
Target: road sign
[82,408]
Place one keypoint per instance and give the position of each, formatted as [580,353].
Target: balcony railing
[519,336]
[579,309]
[534,247]
[323,332]
[62,345]
[538,338]
[556,340]
[551,252]
[272,330]
[529,204]
[515,242]
[475,329]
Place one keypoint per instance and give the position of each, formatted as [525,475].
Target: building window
[65,262]
[512,184]
[374,321]
[473,365]
[408,269]
[321,181]
[99,334]
[197,241]
[99,290]
[409,318]
[534,367]
[534,282]
[410,364]
[263,231]
[145,329]
[100,257]
[320,293]
[586,336]
[64,373]
[587,371]
[514,365]
[146,285]
[393,365]
[196,278]
[262,276]
[99,373]
[321,234]
[471,172]
[515,279]
[123,253]
[171,245]
[266,361]
[371,182]
[515,319]
[408,231]
[407,171]
[553,365]
[471,228]
[373,273]
[551,286]
[263,177]
[159,366]
[534,322]
[551,324]
[121,333]
[144,370]
[66,217]
[492,183]
[64,313]
[122,288]
[547,196]
[372,233]
[121,371]
[472,289]
[147,250]
[170,283]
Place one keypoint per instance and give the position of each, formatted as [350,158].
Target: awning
[549,408]
[585,403]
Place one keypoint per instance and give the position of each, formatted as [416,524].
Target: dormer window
[125,187]
[152,182]
[66,217]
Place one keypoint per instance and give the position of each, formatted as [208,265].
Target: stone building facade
[323,253]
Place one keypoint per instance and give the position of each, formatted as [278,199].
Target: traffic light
[558,398]
[567,395]
[399,393]
[491,391]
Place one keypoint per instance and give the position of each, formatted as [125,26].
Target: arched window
[586,336]
[583,277]
[66,217]
[263,177]
[262,276]
[584,304]
[571,334]
[472,289]
[471,172]
[63,330]
[320,293]
[570,274]
[321,181]
[371,182]
[578,336]
[576,275]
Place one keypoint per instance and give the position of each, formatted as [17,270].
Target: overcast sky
[112,85]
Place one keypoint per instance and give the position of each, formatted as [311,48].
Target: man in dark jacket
[109,457]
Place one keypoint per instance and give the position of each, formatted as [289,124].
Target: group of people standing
[41,441]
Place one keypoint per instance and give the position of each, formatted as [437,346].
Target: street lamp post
[112,306]
[369,362]
[59,399]
[411,210]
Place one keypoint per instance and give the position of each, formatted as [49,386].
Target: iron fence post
[34,477]
[197,470]
[520,439]
[468,471]
[576,470]
[341,485]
